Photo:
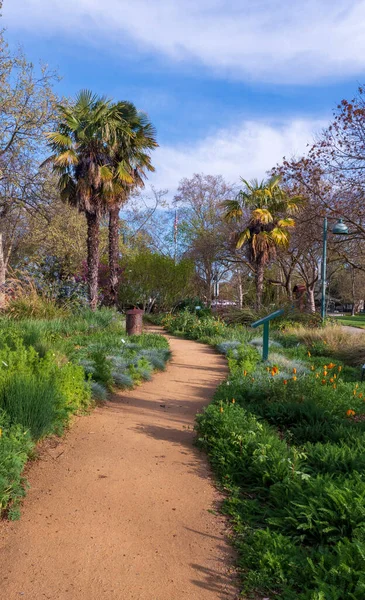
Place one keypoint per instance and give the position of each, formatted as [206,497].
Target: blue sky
[231,86]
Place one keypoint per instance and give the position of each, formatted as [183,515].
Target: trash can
[134,321]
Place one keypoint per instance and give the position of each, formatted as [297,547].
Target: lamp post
[339,229]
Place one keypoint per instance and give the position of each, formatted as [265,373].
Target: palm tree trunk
[114,253]
[260,268]
[93,257]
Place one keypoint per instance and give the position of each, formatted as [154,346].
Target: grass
[286,441]
[356,321]
[331,340]
[53,368]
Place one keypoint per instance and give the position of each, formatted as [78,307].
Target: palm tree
[87,134]
[265,207]
[132,153]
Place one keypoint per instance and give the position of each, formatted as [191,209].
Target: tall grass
[24,300]
[331,340]
[31,401]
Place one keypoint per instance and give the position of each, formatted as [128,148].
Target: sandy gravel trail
[119,510]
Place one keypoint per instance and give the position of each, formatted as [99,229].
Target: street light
[339,229]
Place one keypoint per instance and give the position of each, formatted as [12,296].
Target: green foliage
[16,446]
[150,275]
[286,440]
[39,393]
[194,328]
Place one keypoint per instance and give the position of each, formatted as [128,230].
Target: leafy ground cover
[286,440]
[51,369]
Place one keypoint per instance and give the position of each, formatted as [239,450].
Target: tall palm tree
[87,134]
[264,206]
[133,154]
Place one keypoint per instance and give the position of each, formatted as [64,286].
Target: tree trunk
[93,258]
[2,273]
[260,268]
[311,300]
[240,291]
[114,253]
[289,289]
[353,292]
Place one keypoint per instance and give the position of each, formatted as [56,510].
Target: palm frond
[122,172]
[106,173]
[233,210]
[242,238]
[262,215]
[287,222]
[69,157]
[59,139]
[280,237]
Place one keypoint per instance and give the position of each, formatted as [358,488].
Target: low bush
[194,327]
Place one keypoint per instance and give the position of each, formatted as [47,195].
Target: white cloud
[265,40]
[249,150]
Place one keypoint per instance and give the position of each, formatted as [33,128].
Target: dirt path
[353,330]
[120,509]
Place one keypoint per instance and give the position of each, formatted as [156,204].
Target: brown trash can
[134,321]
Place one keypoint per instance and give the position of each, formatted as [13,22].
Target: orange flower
[244,373]
[309,354]
[360,395]
[233,400]
[334,386]
[317,375]
[325,367]
[294,378]
[339,369]
[325,373]
[350,412]
[334,376]
[354,392]
[324,381]
[294,371]
[331,365]
[221,409]
[331,380]
[285,382]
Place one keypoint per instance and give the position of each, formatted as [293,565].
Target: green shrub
[345,456]
[15,448]
[39,393]
[193,327]
[319,510]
